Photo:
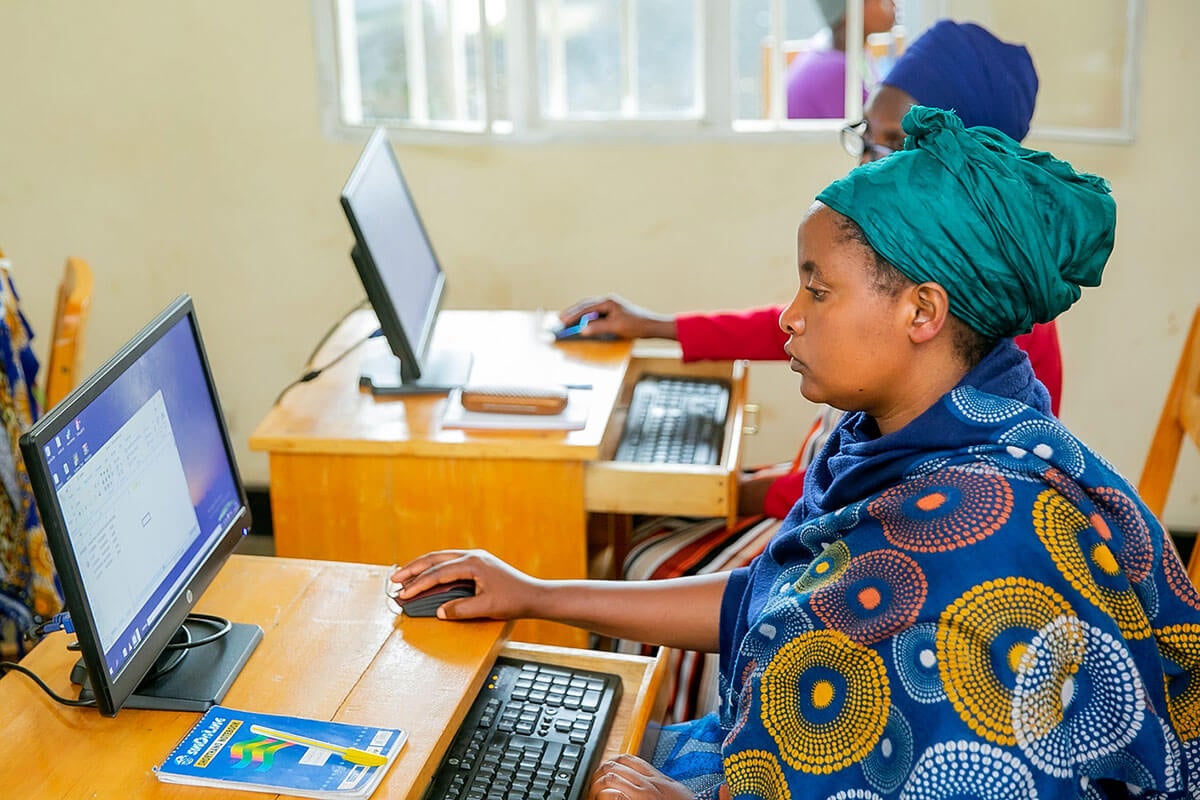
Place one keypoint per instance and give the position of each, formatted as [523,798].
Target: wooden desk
[331,650]
[356,478]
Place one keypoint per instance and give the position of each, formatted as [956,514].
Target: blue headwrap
[1012,234]
[964,68]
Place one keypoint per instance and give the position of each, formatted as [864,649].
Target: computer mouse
[427,602]
[574,333]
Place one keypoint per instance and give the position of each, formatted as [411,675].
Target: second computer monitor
[401,276]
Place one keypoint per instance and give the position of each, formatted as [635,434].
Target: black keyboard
[675,420]
[535,731]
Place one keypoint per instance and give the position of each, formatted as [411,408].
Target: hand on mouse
[618,317]
[501,591]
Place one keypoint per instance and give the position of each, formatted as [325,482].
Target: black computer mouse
[429,601]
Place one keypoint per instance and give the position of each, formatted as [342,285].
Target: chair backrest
[1180,418]
[70,319]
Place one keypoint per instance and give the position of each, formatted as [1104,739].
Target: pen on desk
[352,754]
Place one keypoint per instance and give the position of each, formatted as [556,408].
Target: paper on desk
[572,418]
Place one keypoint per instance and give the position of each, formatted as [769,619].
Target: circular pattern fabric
[944,510]
[1180,644]
[914,656]
[1176,575]
[886,767]
[981,638]
[745,699]
[973,405]
[825,701]
[877,594]
[1119,766]
[756,773]
[1078,697]
[854,794]
[926,466]
[1088,562]
[822,531]
[969,769]
[1049,441]
[1129,536]
[824,569]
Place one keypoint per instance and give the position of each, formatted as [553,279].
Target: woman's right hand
[619,317]
[501,590]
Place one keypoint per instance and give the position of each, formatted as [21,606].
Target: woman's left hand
[627,777]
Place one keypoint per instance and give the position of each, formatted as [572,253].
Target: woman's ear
[930,306]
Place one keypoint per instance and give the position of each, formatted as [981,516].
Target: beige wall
[177,146]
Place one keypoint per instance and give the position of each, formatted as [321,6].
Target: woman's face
[878,16]
[847,338]
[883,114]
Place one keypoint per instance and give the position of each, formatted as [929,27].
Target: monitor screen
[141,501]
[401,276]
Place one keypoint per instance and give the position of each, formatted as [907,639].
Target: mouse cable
[314,372]
[325,337]
[15,667]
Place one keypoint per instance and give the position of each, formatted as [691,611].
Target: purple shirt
[816,85]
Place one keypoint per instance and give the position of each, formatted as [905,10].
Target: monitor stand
[442,372]
[198,682]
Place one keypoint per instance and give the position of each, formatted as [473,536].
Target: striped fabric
[668,547]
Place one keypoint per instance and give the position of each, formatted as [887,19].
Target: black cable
[222,624]
[7,665]
[312,373]
[180,649]
[325,338]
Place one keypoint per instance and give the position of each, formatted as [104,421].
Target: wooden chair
[70,319]
[1180,416]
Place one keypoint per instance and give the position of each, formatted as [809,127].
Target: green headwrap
[1010,233]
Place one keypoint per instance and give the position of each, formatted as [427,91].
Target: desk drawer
[682,489]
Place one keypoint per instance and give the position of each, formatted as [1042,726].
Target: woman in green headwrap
[966,602]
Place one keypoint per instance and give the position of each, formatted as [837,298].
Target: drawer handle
[750,427]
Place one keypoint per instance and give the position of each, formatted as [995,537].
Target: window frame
[716,118]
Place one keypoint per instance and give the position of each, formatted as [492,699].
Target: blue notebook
[283,755]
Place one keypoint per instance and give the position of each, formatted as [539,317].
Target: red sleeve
[1041,345]
[783,493]
[752,334]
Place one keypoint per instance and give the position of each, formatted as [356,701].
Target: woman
[966,602]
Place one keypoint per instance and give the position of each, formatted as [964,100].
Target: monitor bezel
[412,353]
[111,693]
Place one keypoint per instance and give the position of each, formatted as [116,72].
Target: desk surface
[332,415]
[331,650]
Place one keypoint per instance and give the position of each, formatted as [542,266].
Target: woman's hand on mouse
[501,591]
[621,318]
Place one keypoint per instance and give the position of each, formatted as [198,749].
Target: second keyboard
[675,420]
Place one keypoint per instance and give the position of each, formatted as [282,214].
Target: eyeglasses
[855,142]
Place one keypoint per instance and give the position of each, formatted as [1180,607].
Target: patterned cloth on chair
[28,584]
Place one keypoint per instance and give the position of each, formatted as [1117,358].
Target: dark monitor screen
[401,275]
[141,500]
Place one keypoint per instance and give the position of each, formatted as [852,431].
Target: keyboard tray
[623,487]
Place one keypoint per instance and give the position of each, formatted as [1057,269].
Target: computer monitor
[401,275]
[141,500]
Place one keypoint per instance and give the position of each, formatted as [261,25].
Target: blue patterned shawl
[973,606]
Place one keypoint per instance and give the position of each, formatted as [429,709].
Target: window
[531,69]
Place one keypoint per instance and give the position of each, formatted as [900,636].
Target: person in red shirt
[960,66]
